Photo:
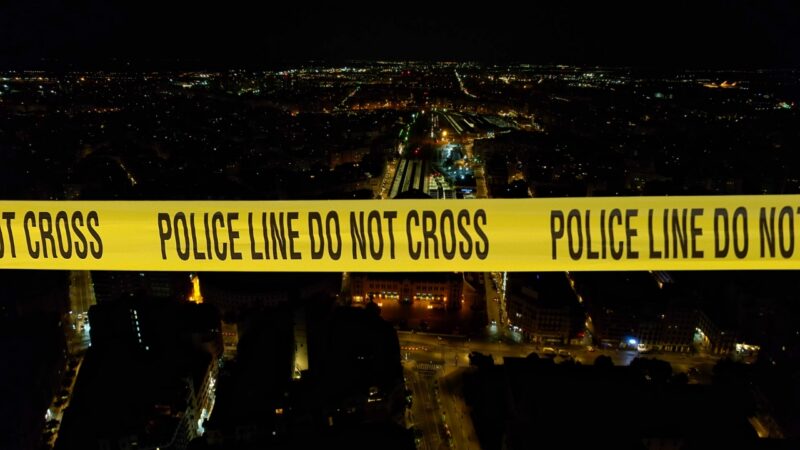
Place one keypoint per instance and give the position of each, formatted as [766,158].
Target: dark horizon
[725,35]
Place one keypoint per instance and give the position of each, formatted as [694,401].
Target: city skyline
[436,116]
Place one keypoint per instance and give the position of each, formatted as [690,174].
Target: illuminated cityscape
[426,360]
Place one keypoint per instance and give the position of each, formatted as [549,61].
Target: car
[590,349]
[549,351]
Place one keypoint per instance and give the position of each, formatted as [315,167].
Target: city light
[195,296]
[425,133]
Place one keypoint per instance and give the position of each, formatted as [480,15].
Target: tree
[727,371]
[480,360]
[603,361]
[373,308]
[680,378]
[656,370]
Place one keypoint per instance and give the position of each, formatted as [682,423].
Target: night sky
[725,34]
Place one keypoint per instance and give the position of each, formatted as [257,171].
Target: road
[496,308]
[454,352]
[426,412]
[463,88]
[457,413]
[438,409]
[388,176]
[348,97]
[56,410]
[81,298]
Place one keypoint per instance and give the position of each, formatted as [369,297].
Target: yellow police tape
[620,233]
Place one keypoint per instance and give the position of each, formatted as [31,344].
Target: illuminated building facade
[438,290]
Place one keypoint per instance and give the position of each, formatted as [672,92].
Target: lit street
[493,301]
[81,297]
[426,416]
[55,412]
[386,181]
[454,352]
[457,414]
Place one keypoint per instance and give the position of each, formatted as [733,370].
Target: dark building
[756,308]
[534,403]
[354,361]
[544,307]
[35,356]
[238,293]
[649,311]
[33,322]
[351,393]
[252,393]
[110,285]
[155,325]
[30,292]
[149,379]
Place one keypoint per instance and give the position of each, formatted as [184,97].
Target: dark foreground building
[33,321]
[148,380]
[351,395]
[544,308]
